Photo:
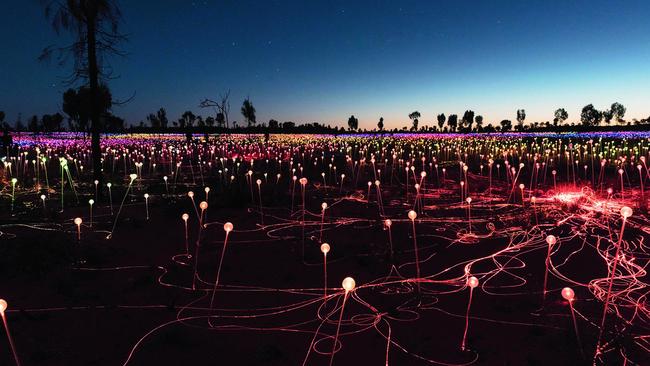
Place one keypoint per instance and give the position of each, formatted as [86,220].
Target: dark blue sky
[320,61]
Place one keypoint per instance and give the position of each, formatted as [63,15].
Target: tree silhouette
[187,120]
[222,108]
[452,122]
[590,116]
[608,115]
[72,107]
[561,115]
[521,117]
[209,121]
[380,124]
[617,111]
[468,119]
[506,125]
[153,120]
[93,25]
[273,124]
[479,122]
[248,111]
[33,125]
[162,117]
[19,123]
[414,116]
[220,120]
[353,123]
[52,122]
[77,104]
[441,120]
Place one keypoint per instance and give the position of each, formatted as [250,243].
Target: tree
[162,117]
[452,122]
[220,120]
[608,115]
[521,117]
[248,111]
[114,123]
[187,120]
[200,122]
[289,125]
[617,111]
[209,121]
[468,119]
[590,116]
[52,122]
[19,123]
[222,108]
[153,120]
[414,116]
[2,117]
[77,104]
[479,121]
[380,124]
[441,120]
[33,125]
[561,115]
[273,123]
[353,123]
[506,125]
[93,25]
[72,107]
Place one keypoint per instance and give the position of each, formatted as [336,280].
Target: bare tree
[220,107]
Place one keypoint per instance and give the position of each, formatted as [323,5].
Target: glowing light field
[405,249]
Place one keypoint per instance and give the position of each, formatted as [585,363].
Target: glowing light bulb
[77,221]
[185,217]
[568,294]
[348,284]
[3,306]
[146,195]
[626,212]
[227,227]
[323,206]
[469,200]
[133,176]
[190,194]
[325,248]
[90,201]
[472,282]
[412,215]
[43,197]
[203,205]
[259,181]
[388,223]
[551,240]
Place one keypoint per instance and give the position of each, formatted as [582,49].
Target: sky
[322,61]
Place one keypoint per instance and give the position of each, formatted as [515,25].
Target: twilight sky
[321,61]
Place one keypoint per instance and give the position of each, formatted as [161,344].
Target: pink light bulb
[568,294]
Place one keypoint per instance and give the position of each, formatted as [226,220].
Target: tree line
[77,114]
[470,122]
